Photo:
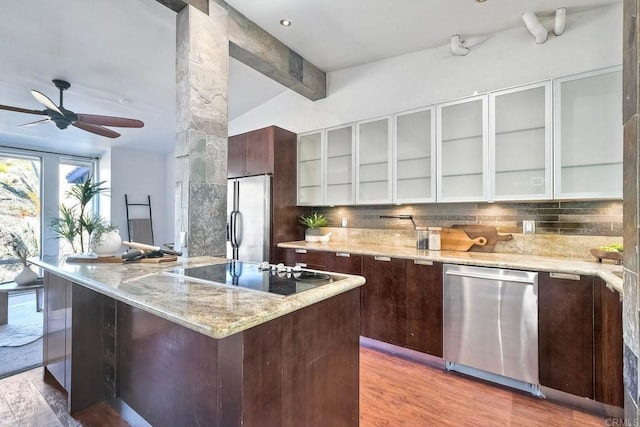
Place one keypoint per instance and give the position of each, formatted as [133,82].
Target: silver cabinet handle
[422,262]
[564,276]
[301,251]
[343,254]
[382,258]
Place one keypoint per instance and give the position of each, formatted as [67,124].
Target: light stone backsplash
[554,245]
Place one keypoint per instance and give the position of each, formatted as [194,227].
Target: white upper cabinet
[589,135]
[557,139]
[414,157]
[340,174]
[520,137]
[310,167]
[373,173]
[462,150]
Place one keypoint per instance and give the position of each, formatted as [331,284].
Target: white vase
[26,276]
[109,244]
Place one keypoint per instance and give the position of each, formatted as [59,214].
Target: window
[20,205]
[32,185]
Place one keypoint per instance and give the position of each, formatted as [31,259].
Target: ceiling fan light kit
[63,117]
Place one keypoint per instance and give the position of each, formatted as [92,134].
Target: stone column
[202,64]
[631,212]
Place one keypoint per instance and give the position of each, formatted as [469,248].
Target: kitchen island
[181,352]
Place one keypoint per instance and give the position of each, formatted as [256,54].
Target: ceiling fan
[63,117]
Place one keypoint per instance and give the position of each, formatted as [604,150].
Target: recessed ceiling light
[481,1]
[285,22]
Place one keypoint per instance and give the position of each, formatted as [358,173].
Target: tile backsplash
[563,229]
[581,218]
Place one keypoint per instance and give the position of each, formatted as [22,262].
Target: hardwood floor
[399,392]
[393,392]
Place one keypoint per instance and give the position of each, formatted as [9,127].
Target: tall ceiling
[119,55]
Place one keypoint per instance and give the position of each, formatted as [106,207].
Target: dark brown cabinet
[384,299]
[424,306]
[344,262]
[72,314]
[337,262]
[315,260]
[255,152]
[565,333]
[57,328]
[236,156]
[607,337]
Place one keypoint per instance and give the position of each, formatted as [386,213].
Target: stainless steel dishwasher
[491,324]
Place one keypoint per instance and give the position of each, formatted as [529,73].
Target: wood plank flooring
[399,392]
[393,392]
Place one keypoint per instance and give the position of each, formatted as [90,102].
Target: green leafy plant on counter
[314,221]
[73,222]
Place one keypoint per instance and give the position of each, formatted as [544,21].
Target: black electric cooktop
[254,276]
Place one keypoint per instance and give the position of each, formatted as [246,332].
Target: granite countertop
[522,262]
[216,311]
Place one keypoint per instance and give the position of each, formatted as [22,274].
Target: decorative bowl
[600,255]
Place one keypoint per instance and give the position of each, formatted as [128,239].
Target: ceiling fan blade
[98,130]
[44,100]
[93,119]
[37,122]
[22,110]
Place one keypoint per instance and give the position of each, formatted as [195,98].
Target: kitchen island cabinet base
[300,369]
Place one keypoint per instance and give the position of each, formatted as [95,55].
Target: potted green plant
[75,224]
[21,246]
[106,240]
[313,223]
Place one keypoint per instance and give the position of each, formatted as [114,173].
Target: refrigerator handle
[235,216]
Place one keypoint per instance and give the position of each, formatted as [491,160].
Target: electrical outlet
[183,239]
[343,222]
[528,227]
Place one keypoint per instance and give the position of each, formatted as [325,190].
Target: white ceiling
[119,55]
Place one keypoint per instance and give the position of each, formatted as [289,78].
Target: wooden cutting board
[457,240]
[119,260]
[488,231]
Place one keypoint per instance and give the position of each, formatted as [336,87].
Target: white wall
[138,174]
[592,40]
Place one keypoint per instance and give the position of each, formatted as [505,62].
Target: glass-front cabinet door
[520,135]
[589,135]
[310,188]
[340,171]
[373,174]
[414,156]
[462,150]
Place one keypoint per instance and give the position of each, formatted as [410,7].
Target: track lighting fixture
[535,27]
[560,22]
[457,46]
[539,31]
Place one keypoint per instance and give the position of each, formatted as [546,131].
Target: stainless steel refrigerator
[249,218]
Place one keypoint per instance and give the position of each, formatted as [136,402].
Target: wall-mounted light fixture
[457,46]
